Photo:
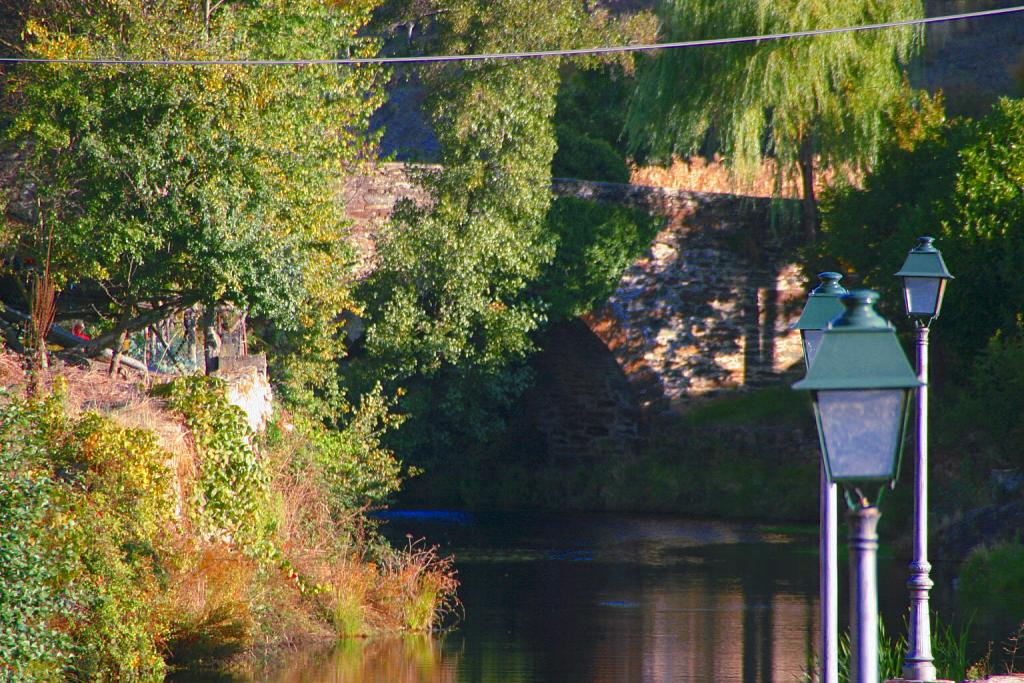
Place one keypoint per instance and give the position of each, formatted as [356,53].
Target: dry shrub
[412,589]
[348,597]
[91,388]
[88,387]
[12,372]
[408,589]
[321,583]
[43,310]
[305,525]
[698,174]
[417,588]
[209,600]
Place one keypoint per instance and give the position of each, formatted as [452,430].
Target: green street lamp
[860,383]
[924,276]
[822,307]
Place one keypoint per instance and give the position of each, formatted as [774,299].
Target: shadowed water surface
[601,599]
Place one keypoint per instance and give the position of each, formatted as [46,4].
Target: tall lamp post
[822,307]
[924,276]
[860,383]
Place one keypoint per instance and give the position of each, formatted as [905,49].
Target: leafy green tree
[596,243]
[958,180]
[589,121]
[151,189]
[809,103]
[450,311]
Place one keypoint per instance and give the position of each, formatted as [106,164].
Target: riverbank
[748,456]
[148,528]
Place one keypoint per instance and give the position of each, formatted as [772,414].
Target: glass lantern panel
[861,430]
[922,295]
[942,290]
[812,341]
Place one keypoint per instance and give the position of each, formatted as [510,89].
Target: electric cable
[534,54]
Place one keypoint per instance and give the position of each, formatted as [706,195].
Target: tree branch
[94,346]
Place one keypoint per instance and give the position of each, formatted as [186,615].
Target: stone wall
[581,404]
[706,310]
[709,307]
[369,198]
[248,387]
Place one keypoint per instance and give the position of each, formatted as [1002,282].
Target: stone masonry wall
[582,404]
[707,309]
[369,197]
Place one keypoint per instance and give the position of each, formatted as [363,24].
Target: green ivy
[232,493]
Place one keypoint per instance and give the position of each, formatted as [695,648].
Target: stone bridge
[706,310]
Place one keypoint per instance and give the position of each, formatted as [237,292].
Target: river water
[603,599]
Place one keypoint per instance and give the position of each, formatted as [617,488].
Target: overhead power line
[534,54]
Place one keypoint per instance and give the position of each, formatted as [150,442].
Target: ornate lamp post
[860,382]
[924,282]
[822,307]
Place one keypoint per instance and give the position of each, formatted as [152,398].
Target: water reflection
[409,659]
[599,600]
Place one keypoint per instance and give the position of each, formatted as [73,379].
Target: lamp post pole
[822,307]
[925,277]
[860,384]
[863,594]
[829,580]
[918,664]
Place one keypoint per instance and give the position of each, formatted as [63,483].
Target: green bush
[31,648]
[84,507]
[990,404]
[358,471]
[581,156]
[958,180]
[593,102]
[992,579]
[596,243]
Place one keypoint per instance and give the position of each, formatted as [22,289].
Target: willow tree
[808,103]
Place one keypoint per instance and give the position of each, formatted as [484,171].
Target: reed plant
[949,648]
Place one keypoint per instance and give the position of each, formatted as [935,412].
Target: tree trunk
[189,322]
[809,206]
[115,359]
[122,337]
[211,341]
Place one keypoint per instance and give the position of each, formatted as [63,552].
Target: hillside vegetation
[143,529]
